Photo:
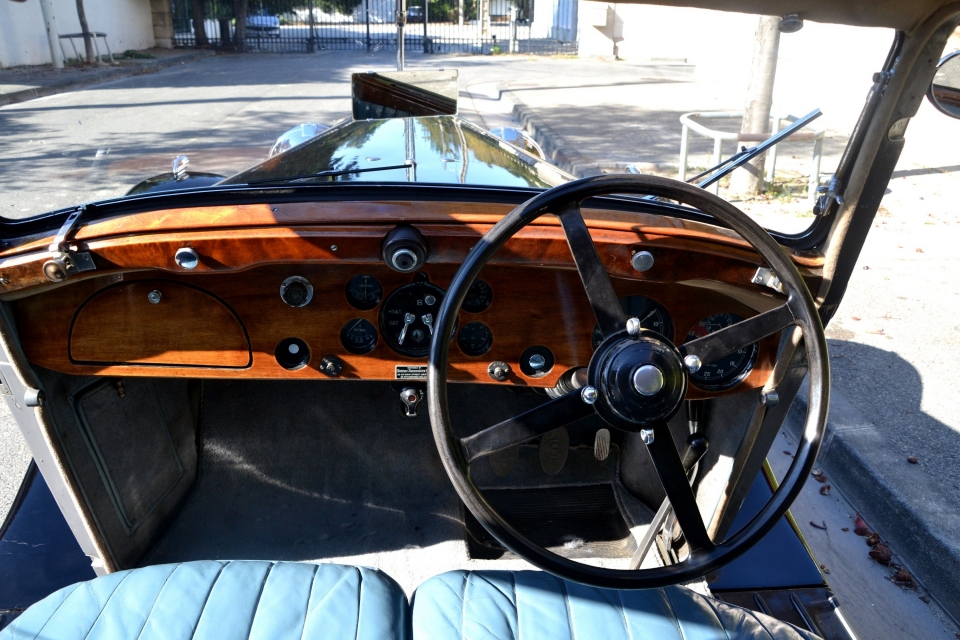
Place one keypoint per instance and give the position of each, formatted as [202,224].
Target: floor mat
[578,522]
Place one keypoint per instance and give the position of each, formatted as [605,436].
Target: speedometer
[730,370]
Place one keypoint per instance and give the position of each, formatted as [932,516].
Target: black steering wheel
[636,381]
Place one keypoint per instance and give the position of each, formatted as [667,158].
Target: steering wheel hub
[640,379]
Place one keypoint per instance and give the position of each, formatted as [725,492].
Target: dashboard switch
[296,291]
[410,397]
[331,366]
[186,258]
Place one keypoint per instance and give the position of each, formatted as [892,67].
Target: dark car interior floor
[335,471]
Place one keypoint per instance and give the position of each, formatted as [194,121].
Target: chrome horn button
[648,380]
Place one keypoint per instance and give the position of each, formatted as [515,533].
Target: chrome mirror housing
[944,91]
[297,136]
[520,139]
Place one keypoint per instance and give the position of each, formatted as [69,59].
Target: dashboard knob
[296,291]
[404,249]
[186,258]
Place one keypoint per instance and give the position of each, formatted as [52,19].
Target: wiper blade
[323,174]
[745,155]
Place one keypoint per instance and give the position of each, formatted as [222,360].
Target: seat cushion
[528,605]
[221,599]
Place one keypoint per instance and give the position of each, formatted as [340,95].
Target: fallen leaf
[913,459]
[860,527]
[902,578]
[818,475]
[919,250]
[873,539]
[882,553]
[787,453]
[822,526]
[866,268]
[845,529]
[825,490]
[823,568]
[857,318]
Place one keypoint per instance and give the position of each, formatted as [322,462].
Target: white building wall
[555,19]
[720,46]
[23,40]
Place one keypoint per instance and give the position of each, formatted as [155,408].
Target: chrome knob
[186,258]
[642,261]
[633,326]
[648,380]
[154,297]
[692,363]
[537,362]
[589,395]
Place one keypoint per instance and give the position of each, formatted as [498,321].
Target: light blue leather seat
[222,600]
[533,605]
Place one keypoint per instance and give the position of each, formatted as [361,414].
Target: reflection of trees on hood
[326,152]
[446,137]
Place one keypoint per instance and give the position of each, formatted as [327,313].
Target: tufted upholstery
[528,605]
[222,600]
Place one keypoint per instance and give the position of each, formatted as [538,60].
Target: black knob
[296,291]
[404,249]
[331,365]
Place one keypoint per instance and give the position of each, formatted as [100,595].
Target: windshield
[622,103]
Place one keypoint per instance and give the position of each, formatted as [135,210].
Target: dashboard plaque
[411,372]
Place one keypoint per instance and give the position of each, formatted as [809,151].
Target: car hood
[438,150]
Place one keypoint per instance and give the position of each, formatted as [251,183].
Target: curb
[107,75]
[898,499]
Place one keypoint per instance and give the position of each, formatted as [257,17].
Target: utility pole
[756,111]
[53,36]
[401,15]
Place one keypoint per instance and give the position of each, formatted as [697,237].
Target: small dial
[359,336]
[408,316]
[728,371]
[364,292]
[651,314]
[292,354]
[475,339]
[296,291]
[479,297]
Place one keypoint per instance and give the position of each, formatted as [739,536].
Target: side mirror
[944,91]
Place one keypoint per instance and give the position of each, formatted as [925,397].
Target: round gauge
[359,336]
[408,315]
[731,369]
[479,297]
[475,339]
[651,314]
[364,292]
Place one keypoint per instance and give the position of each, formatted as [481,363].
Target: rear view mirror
[944,91]
[405,94]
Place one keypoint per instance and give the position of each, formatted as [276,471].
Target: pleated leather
[533,605]
[222,600]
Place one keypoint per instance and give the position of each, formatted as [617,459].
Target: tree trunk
[87,38]
[748,179]
[240,30]
[199,17]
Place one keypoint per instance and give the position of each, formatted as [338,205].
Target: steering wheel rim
[799,310]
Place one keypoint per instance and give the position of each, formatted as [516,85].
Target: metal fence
[434,26]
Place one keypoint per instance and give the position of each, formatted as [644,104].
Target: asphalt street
[894,341]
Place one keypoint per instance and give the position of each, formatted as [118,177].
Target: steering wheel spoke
[742,334]
[673,477]
[596,282]
[526,426]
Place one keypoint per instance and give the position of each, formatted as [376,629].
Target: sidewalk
[19,84]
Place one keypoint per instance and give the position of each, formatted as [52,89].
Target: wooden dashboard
[139,314]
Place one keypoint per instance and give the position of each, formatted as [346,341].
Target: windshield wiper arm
[745,155]
[323,174]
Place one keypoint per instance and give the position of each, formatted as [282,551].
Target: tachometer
[651,314]
[730,370]
[479,297]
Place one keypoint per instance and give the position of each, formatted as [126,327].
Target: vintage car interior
[238,394]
